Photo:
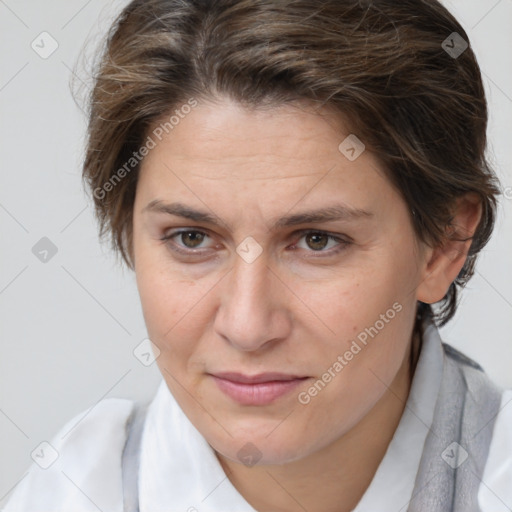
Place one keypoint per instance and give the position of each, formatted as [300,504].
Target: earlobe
[443,263]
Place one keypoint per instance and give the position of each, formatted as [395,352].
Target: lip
[261,389]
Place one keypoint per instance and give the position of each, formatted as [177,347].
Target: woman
[301,190]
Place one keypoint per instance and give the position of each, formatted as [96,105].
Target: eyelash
[191,252]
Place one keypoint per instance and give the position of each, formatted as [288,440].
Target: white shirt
[179,471]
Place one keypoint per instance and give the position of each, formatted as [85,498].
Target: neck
[335,478]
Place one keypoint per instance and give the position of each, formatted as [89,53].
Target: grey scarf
[457,445]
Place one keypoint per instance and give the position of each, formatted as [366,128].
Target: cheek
[157,301]
[355,297]
[160,305]
[161,292]
[369,312]
[175,317]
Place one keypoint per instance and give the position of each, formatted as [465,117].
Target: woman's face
[284,297]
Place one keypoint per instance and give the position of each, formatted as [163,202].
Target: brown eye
[317,241]
[320,242]
[187,241]
[192,239]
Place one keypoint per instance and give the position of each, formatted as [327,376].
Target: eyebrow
[330,213]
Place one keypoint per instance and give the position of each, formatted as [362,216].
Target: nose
[253,312]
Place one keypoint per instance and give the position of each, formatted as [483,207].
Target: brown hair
[382,65]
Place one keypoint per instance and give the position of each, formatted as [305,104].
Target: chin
[260,453]
[257,446]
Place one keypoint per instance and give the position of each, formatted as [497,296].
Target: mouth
[261,389]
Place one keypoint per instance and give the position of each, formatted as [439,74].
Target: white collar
[179,469]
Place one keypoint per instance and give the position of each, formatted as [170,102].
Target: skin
[296,307]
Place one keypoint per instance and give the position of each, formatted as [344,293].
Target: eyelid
[168,238]
[342,241]
[337,236]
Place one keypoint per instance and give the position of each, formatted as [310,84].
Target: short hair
[402,74]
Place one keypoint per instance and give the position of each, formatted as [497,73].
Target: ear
[443,263]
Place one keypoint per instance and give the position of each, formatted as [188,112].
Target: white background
[69,326]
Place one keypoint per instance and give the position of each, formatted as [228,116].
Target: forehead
[221,152]
[251,144]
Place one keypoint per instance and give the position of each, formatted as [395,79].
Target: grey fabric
[457,445]
[455,451]
[131,457]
